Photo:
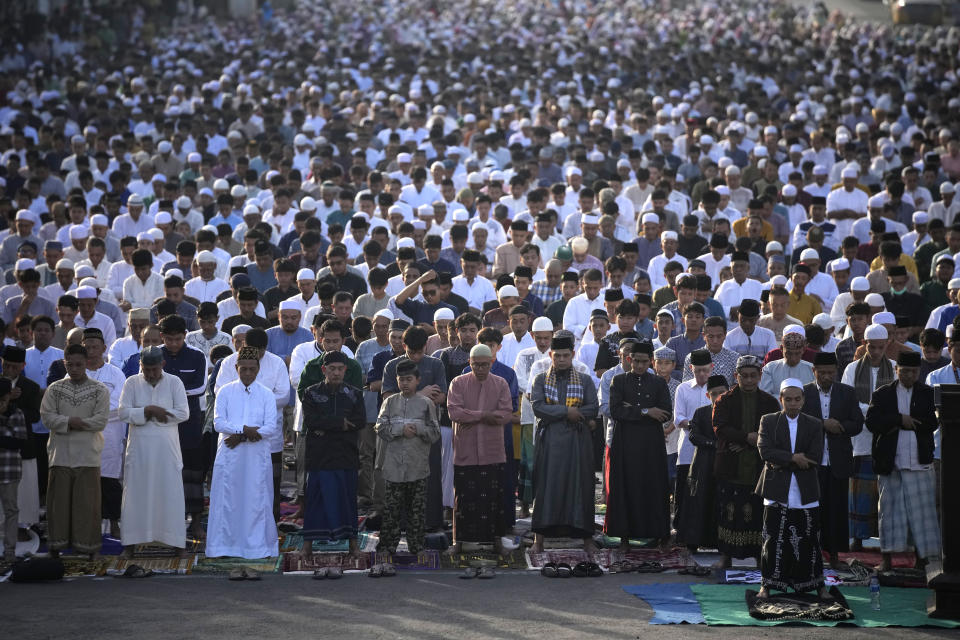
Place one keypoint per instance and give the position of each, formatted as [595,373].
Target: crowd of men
[449,265]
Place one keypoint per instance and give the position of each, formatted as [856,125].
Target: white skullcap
[760,152]
[134,199]
[849,172]
[193,157]
[884,317]
[840,264]
[79,232]
[474,178]
[820,170]
[876,201]
[778,281]
[574,171]
[823,321]
[24,214]
[206,256]
[791,382]
[395,210]
[859,284]
[809,254]
[650,217]
[425,210]
[171,272]
[100,220]
[384,313]
[23,264]
[773,245]
[290,305]
[461,215]
[306,204]
[590,219]
[419,224]
[543,323]
[251,210]
[920,217]
[84,271]
[480,351]
[443,313]
[668,235]
[793,328]
[947,187]
[86,293]
[479,226]
[404,158]
[579,245]
[875,332]
[183,202]
[732,170]
[723,190]
[65,263]
[403,243]
[507,291]
[164,147]
[788,191]
[306,274]
[874,300]
[163,217]
[156,233]
[238,191]
[954,283]
[221,185]
[240,330]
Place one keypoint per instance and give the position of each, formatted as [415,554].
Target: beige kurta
[65,399]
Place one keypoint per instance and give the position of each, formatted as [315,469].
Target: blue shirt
[280,343]
[261,280]
[682,346]
[233,220]
[535,304]
[440,266]
[421,312]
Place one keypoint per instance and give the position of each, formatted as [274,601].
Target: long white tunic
[274,376]
[153,508]
[114,434]
[241,497]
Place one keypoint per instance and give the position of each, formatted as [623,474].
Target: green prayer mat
[225,565]
[723,604]
[515,560]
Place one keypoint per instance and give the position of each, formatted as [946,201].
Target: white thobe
[475,294]
[576,317]
[656,266]
[121,350]
[273,375]
[205,290]
[855,200]
[153,506]
[511,347]
[114,434]
[142,294]
[689,397]
[99,321]
[241,496]
[730,293]
[823,287]
[119,272]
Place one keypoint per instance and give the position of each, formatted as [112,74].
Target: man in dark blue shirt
[432,260]
[190,365]
[422,312]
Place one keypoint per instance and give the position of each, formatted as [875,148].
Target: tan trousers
[73,509]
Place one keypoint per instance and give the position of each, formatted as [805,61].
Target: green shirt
[313,373]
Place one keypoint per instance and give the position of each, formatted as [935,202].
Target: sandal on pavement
[469,572]
[334,573]
[389,571]
[376,571]
[580,570]
[486,573]
[320,574]
[250,574]
[136,571]
[593,570]
[549,570]
[649,567]
[234,575]
[564,570]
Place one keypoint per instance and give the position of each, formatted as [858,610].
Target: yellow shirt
[803,308]
[740,229]
[905,261]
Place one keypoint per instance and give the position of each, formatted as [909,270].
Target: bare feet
[823,593]
[763,594]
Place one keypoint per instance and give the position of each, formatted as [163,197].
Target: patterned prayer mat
[671,559]
[516,559]
[294,563]
[904,577]
[608,542]
[159,565]
[873,558]
[153,550]
[427,559]
[225,565]
[80,566]
[293,541]
[784,607]
[855,574]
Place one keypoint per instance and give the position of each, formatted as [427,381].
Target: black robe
[698,522]
[638,497]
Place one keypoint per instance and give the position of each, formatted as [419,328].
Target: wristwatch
[644,411]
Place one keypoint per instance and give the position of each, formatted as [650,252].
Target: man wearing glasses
[340,276]
[422,312]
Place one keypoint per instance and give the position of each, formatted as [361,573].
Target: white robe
[241,497]
[274,376]
[153,506]
[114,434]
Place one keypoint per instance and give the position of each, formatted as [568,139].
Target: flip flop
[593,570]
[486,573]
[136,571]
[564,570]
[334,573]
[469,573]
[649,567]
[549,570]
[580,570]
[235,574]
[389,571]
[376,571]
[320,574]
[250,574]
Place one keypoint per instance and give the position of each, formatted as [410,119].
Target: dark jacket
[727,420]
[332,418]
[884,422]
[846,410]
[773,441]
[29,404]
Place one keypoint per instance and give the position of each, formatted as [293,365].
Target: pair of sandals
[324,573]
[136,571]
[243,573]
[579,570]
[696,570]
[627,566]
[385,570]
[484,573]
